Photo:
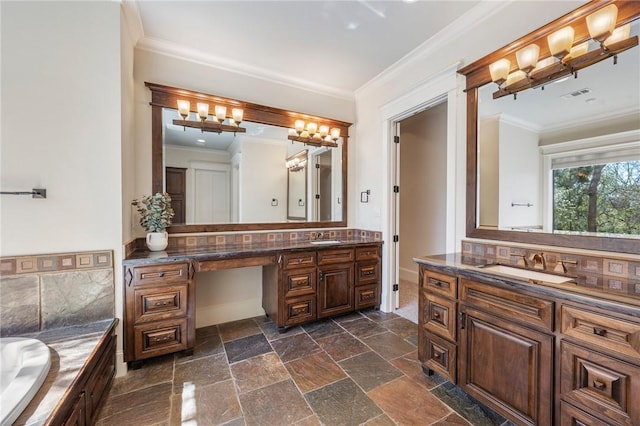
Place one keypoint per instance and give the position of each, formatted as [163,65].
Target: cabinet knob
[436,355]
[599,331]
[436,314]
[599,385]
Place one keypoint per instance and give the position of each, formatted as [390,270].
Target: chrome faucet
[538,260]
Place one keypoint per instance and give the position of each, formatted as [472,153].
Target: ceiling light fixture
[312,134]
[216,124]
[565,59]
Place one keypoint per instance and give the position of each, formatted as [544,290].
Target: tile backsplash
[607,264]
[48,291]
[182,241]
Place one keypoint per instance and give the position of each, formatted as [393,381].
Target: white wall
[423,155]
[67,126]
[61,126]
[520,180]
[263,178]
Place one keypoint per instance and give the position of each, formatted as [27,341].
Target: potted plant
[156,214]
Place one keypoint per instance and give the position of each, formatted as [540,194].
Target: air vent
[576,93]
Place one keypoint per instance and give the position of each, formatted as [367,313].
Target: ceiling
[334,46]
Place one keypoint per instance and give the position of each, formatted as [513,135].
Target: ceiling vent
[576,93]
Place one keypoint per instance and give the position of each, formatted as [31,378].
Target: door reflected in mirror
[565,159]
[243,178]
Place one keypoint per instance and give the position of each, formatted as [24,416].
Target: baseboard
[409,275]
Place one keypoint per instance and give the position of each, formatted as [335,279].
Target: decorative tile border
[605,265]
[36,264]
[194,241]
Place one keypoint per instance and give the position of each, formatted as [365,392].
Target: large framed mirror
[235,181]
[541,166]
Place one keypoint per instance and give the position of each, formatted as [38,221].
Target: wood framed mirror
[247,171]
[478,79]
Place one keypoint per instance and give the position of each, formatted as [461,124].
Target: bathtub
[24,364]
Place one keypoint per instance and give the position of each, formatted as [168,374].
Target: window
[597,198]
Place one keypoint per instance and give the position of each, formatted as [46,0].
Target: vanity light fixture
[296,164]
[602,22]
[561,41]
[312,134]
[216,124]
[565,59]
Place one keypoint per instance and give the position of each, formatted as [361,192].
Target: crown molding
[185,53]
[133,19]
[465,23]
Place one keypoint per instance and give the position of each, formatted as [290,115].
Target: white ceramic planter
[157,241]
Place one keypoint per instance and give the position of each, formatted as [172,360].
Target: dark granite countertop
[600,290]
[71,347]
[223,251]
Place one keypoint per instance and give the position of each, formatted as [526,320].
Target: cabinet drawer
[367,296]
[328,257]
[298,282]
[298,260]
[367,272]
[571,416]
[154,304]
[593,328]
[440,316]
[158,339]
[300,309]
[442,284]
[166,273]
[596,382]
[438,355]
[527,310]
[367,253]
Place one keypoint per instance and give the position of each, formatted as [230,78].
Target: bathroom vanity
[538,352]
[301,281]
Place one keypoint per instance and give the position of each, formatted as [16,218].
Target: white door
[211,201]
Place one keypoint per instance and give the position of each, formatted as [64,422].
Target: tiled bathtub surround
[608,272]
[55,290]
[239,238]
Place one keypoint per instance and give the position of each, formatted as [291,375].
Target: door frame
[445,85]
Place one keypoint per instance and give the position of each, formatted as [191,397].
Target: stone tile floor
[361,368]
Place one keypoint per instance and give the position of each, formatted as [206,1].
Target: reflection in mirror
[243,178]
[297,171]
[565,159]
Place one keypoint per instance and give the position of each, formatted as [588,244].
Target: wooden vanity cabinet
[159,310]
[312,284]
[297,289]
[368,276]
[600,365]
[437,320]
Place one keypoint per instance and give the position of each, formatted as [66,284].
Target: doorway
[421,198]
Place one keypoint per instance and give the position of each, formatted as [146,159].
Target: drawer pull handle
[164,339]
[599,385]
[436,283]
[369,272]
[161,274]
[599,331]
[165,303]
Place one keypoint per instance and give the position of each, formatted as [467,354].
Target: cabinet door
[507,366]
[77,415]
[335,289]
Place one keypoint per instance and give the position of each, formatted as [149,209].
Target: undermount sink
[528,274]
[321,242]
